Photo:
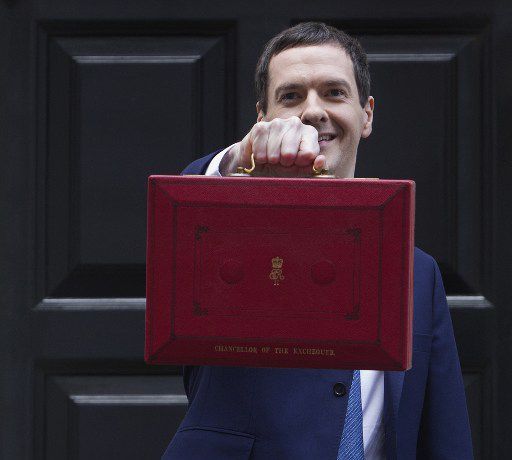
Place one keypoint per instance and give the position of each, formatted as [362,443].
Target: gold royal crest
[276,274]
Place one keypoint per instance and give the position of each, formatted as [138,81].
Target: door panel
[98,96]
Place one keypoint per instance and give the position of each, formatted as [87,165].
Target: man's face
[317,84]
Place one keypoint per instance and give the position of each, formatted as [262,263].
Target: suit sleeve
[200,165]
[445,431]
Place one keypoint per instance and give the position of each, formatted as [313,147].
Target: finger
[276,131]
[245,152]
[259,138]
[309,147]
[290,146]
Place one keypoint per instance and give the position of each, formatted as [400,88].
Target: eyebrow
[293,86]
[338,82]
[287,87]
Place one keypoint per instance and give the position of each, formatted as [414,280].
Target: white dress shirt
[372,382]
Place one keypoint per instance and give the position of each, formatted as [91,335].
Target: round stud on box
[231,271]
[323,272]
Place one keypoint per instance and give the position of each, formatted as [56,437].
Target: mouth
[325,138]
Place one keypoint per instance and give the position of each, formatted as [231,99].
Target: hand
[281,147]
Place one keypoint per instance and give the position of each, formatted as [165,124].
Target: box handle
[247,172]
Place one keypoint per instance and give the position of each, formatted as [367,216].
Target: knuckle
[311,131]
[310,151]
[294,121]
[258,128]
[259,157]
[308,155]
[288,154]
[277,122]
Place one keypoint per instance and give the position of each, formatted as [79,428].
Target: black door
[95,96]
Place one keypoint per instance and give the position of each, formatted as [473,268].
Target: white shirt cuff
[213,167]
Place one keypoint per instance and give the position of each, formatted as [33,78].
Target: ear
[259,111]
[368,117]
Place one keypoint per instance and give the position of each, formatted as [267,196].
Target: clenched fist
[281,148]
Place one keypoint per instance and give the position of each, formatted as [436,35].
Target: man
[313,108]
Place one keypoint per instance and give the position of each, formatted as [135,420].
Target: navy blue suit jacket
[263,414]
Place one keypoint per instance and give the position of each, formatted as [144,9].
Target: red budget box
[307,273]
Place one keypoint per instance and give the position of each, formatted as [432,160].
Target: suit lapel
[393,383]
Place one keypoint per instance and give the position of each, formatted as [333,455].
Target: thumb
[320,163]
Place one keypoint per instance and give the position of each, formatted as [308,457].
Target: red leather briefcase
[310,273]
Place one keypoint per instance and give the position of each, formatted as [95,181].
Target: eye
[288,96]
[336,92]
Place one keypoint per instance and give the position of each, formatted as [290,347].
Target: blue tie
[351,444]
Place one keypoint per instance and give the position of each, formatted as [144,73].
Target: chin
[343,171]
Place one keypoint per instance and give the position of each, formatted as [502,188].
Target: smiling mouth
[323,139]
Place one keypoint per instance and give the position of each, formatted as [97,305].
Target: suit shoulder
[424,267]
[199,166]
[422,259]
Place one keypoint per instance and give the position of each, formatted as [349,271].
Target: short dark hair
[309,34]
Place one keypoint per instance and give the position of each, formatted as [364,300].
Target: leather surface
[280,272]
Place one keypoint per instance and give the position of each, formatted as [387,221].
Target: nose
[314,110]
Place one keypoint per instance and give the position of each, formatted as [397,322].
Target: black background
[95,96]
